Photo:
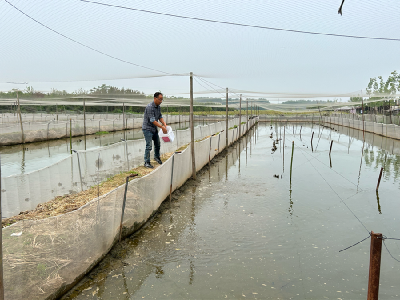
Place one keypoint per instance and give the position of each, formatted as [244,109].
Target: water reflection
[379,205]
[254,246]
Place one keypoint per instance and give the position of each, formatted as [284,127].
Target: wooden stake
[123,116]
[240,115]
[330,148]
[192,128]
[374,265]
[362,116]
[70,135]
[283,146]
[379,179]
[226,120]
[1,250]
[312,136]
[291,163]
[84,120]
[172,178]
[124,203]
[247,116]
[20,119]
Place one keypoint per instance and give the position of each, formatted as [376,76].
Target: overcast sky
[240,58]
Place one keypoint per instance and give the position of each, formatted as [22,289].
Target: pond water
[21,159]
[243,230]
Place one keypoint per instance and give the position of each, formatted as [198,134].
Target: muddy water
[243,230]
[20,159]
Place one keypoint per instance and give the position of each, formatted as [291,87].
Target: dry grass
[64,204]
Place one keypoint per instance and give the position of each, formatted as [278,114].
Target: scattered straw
[63,204]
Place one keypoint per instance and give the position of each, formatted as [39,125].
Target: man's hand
[164,129]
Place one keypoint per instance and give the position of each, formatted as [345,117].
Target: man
[152,114]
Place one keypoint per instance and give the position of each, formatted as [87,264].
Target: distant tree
[356,99]
[377,87]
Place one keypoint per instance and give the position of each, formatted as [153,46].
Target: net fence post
[240,115]
[123,204]
[70,135]
[226,119]
[192,128]
[247,115]
[374,265]
[79,167]
[84,120]
[20,119]
[1,249]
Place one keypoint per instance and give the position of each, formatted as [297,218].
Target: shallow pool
[242,230]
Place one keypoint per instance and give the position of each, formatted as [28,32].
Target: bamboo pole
[374,265]
[192,128]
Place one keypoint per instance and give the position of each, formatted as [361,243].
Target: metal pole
[226,120]
[192,128]
[1,249]
[374,265]
[240,115]
[20,120]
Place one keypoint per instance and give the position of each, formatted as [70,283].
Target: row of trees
[30,93]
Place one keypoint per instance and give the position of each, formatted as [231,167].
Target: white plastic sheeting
[49,255]
[84,169]
[387,130]
[34,131]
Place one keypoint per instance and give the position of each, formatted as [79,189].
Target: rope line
[84,45]
[241,24]
[389,251]
[355,243]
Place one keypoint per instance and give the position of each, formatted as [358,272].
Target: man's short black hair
[157,94]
